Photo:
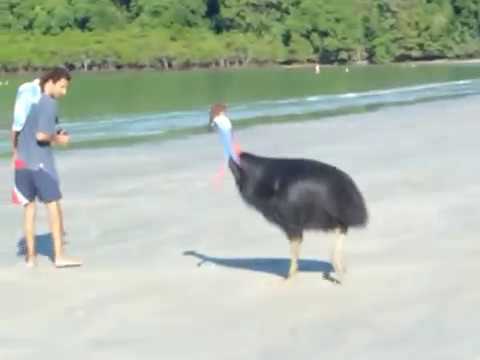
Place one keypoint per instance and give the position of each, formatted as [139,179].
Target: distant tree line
[175,34]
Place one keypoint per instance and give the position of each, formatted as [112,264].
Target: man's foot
[66,261]
[31,261]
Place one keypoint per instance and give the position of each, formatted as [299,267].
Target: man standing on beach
[28,94]
[35,171]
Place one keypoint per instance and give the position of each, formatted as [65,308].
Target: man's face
[59,89]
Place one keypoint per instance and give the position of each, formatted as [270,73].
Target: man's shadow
[43,246]
[274,266]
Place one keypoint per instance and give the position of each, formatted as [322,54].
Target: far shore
[309,64]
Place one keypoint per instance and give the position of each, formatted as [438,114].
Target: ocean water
[124,108]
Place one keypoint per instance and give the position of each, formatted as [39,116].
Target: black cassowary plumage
[299,194]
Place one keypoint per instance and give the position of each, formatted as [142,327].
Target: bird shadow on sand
[274,266]
[43,246]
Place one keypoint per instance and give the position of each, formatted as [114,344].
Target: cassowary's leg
[337,254]
[295,243]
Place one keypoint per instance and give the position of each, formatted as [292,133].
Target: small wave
[179,119]
[349,95]
[144,124]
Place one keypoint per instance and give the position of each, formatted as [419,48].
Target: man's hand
[62,138]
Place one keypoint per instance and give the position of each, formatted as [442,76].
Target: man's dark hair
[56,74]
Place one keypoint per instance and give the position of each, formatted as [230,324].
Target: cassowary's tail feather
[355,212]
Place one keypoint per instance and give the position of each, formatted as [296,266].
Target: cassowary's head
[216,110]
[220,121]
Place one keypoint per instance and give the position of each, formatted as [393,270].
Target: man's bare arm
[14,139]
[61,139]
[14,136]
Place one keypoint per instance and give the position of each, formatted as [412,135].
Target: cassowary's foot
[337,257]
[338,267]
[328,276]
[293,270]
[338,278]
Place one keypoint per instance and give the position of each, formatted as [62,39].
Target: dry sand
[176,268]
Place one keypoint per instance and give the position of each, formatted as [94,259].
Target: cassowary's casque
[295,194]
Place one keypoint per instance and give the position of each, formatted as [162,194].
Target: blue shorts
[31,184]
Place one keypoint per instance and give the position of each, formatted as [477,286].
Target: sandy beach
[178,268]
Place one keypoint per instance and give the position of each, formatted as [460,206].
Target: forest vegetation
[177,34]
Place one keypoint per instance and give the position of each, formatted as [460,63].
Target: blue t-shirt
[41,118]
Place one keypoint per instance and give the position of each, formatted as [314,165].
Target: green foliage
[299,49]
[171,13]
[168,34]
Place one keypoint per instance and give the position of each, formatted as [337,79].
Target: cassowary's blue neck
[228,150]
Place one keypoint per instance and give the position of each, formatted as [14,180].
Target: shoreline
[309,64]
[194,131]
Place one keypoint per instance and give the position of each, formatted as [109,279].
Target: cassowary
[295,194]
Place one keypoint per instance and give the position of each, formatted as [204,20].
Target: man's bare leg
[62,227]
[29,228]
[60,259]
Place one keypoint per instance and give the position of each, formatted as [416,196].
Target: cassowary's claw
[200,263]
[329,277]
[291,274]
